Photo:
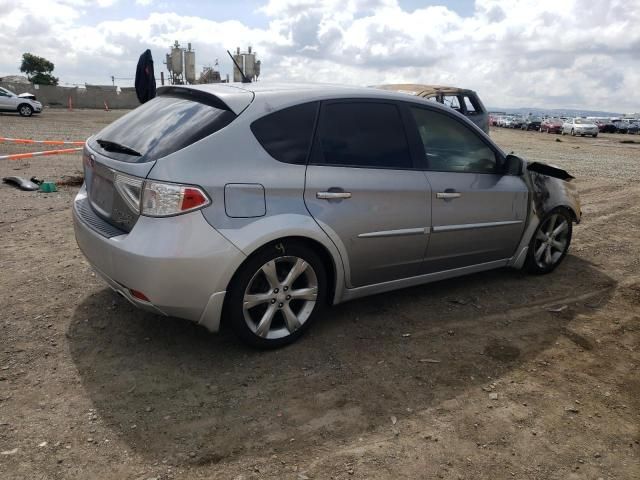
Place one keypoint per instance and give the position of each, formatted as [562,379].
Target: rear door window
[451,101]
[286,134]
[162,126]
[361,134]
[469,105]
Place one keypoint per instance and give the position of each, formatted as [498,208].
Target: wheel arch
[333,269]
[24,104]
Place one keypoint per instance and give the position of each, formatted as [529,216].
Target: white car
[10,102]
[579,126]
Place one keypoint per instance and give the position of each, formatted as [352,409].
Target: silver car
[579,126]
[257,204]
[25,106]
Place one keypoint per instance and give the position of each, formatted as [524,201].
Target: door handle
[333,195]
[448,195]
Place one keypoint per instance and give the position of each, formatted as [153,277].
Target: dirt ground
[497,375]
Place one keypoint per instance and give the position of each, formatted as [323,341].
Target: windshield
[582,121]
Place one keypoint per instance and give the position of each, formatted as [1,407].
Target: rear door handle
[333,195]
[448,195]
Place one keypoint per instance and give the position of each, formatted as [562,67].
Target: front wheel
[550,242]
[25,110]
[276,294]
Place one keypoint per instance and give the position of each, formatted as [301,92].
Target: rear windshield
[160,127]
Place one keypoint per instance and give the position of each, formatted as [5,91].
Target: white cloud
[572,53]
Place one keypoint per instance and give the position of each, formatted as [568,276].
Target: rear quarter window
[286,134]
[162,126]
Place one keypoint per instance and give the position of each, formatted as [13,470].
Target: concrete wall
[93,96]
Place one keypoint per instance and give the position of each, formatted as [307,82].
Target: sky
[581,54]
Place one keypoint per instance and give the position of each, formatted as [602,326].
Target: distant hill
[556,112]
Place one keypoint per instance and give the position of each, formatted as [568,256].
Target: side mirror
[513,165]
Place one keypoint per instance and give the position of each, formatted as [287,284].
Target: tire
[25,110]
[573,134]
[547,249]
[594,135]
[276,318]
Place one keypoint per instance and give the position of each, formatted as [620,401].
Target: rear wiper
[110,146]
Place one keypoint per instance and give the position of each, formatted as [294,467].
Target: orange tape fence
[20,156]
[26,141]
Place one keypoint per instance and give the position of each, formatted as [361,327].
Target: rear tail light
[139,295]
[130,189]
[159,199]
[167,199]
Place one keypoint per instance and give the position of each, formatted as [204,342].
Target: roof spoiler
[193,95]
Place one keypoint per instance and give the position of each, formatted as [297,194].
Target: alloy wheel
[280,297]
[551,241]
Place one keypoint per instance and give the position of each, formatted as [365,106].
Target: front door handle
[333,195]
[448,195]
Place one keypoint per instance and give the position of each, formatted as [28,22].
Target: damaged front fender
[550,187]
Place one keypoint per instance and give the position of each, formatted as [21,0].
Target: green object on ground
[48,187]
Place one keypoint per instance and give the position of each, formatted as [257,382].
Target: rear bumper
[181,264]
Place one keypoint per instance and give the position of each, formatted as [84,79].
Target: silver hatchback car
[254,205]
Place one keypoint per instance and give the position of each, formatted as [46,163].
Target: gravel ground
[495,375]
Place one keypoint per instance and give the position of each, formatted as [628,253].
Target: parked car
[517,122]
[633,127]
[606,126]
[551,125]
[256,204]
[507,122]
[621,126]
[465,101]
[10,102]
[579,126]
[531,123]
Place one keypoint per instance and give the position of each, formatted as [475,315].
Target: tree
[38,69]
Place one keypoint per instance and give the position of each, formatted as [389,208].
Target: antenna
[244,77]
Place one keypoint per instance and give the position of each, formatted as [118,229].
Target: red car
[551,125]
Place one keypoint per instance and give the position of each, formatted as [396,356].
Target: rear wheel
[25,110]
[550,243]
[276,295]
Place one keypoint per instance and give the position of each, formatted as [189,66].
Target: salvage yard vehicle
[579,126]
[621,126]
[605,126]
[462,100]
[551,125]
[633,127]
[258,204]
[531,123]
[517,122]
[25,106]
